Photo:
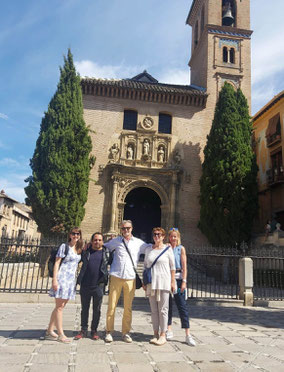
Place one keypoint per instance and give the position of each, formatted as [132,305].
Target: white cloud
[92,69]
[269,62]
[3,116]
[175,76]
[14,186]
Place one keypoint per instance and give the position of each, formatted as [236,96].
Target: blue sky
[111,39]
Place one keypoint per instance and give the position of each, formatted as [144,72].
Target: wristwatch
[184,280]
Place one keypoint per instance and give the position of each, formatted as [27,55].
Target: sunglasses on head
[75,233]
[173,229]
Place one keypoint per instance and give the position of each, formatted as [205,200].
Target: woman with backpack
[159,260]
[181,279]
[64,282]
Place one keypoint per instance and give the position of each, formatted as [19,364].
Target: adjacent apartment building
[16,219]
[269,146]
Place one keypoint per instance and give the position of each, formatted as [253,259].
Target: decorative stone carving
[161,154]
[130,152]
[146,147]
[114,151]
[147,123]
[101,169]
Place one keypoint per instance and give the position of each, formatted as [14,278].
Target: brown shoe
[81,334]
[95,336]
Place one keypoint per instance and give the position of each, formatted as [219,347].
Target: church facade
[148,137]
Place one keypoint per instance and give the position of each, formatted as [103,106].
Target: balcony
[275,176]
[273,139]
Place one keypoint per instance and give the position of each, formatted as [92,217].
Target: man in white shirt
[122,276]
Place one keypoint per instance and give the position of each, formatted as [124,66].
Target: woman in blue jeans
[181,279]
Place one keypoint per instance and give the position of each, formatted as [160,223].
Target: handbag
[138,282]
[147,273]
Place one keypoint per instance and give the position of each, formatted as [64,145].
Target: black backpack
[52,258]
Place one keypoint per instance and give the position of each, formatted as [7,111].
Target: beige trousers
[115,288]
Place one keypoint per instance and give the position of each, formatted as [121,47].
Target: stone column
[113,204]
[173,200]
[246,280]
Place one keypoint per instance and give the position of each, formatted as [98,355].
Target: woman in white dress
[64,283]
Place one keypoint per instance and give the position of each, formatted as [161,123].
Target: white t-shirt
[161,271]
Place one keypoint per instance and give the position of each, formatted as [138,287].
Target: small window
[130,120]
[225,54]
[232,55]
[196,34]
[165,123]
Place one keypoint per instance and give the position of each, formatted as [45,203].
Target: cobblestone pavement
[228,338]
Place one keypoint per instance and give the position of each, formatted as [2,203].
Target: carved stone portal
[164,182]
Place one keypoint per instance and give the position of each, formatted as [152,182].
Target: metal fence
[268,273]
[212,272]
[23,266]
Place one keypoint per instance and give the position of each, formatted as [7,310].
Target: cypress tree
[228,185]
[58,187]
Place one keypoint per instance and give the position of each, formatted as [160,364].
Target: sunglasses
[75,233]
[174,229]
[126,228]
[157,234]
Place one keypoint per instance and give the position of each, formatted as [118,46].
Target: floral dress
[66,276]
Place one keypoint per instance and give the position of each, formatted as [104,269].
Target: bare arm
[173,281]
[184,269]
[55,272]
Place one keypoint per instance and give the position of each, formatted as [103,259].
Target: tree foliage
[228,186]
[58,187]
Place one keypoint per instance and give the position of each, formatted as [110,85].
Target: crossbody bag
[147,273]
[137,278]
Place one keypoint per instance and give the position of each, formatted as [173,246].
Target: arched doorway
[143,208]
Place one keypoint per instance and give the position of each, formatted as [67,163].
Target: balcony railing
[274,138]
[275,175]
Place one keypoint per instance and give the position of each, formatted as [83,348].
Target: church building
[148,137]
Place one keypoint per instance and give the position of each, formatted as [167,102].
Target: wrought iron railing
[23,265]
[212,272]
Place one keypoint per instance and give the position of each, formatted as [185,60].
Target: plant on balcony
[58,187]
[228,185]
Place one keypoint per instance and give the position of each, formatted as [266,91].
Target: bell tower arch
[220,47]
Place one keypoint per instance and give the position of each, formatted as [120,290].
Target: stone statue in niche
[129,152]
[114,150]
[146,147]
[161,154]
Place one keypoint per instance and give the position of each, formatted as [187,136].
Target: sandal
[64,339]
[51,336]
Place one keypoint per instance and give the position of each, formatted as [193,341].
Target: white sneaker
[108,337]
[127,338]
[169,335]
[190,341]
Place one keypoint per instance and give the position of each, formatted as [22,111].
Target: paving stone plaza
[229,338]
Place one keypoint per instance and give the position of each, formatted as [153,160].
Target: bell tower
[220,46]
